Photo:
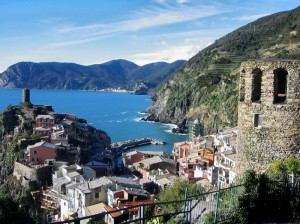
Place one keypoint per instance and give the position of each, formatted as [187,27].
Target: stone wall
[268,130]
[23,171]
[33,177]
[26,175]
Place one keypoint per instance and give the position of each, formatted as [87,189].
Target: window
[256,85]
[96,195]
[257,120]
[34,152]
[280,85]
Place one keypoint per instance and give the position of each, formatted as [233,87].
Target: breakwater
[135,143]
[118,148]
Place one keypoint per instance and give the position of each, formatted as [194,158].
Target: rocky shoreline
[180,129]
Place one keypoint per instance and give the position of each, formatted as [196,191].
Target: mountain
[206,86]
[113,74]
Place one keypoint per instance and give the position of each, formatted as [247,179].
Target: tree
[176,192]
[279,170]
[273,201]
[11,213]
[264,200]
[292,165]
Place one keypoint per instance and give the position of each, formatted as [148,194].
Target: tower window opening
[257,120]
[256,85]
[280,85]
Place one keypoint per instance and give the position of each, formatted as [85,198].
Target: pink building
[44,121]
[40,152]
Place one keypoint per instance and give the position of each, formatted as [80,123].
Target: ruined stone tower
[25,96]
[25,103]
[268,112]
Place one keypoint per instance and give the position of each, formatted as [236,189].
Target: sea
[118,114]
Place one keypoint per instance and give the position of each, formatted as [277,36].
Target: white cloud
[182,1]
[146,18]
[168,2]
[159,1]
[191,35]
[77,41]
[171,54]
[163,42]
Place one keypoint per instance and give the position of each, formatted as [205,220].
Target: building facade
[45,121]
[40,152]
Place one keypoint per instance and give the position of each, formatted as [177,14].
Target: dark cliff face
[113,74]
[206,87]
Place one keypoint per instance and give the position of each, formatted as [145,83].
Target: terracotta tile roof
[110,209]
[134,203]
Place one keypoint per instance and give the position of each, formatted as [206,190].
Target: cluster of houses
[74,187]
[79,195]
[210,158]
[78,187]
[92,188]
[86,190]
[63,137]
[83,190]
[154,167]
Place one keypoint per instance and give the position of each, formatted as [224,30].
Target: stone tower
[268,112]
[25,96]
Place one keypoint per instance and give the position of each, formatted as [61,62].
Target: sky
[143,31]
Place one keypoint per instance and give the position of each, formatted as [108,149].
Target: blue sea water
[118,114]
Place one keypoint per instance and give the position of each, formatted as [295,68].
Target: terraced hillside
[206,86]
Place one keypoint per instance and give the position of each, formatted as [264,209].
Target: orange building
[181,150]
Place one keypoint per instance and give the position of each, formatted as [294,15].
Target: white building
[90,193]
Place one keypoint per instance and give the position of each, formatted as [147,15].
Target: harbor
[119,147]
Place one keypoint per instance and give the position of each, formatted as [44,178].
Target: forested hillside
[206,86]
[113,74]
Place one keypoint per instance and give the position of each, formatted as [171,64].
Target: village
[72,169]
